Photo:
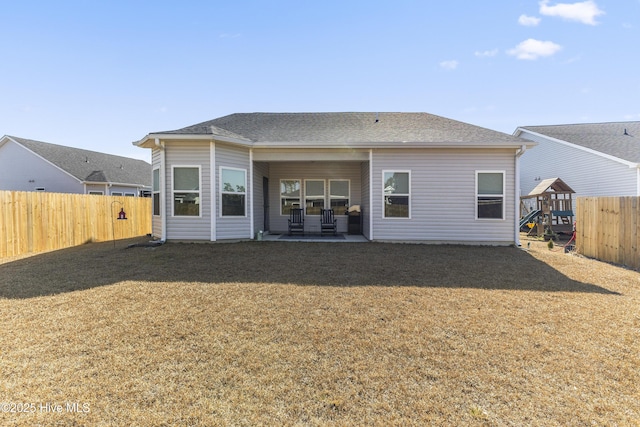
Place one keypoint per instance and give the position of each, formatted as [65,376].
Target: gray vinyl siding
[232,227]
[312,170]
[189,153]
[156,220]
[587,173]
[443,198]
[22,170]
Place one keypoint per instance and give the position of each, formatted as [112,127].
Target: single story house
[594,159]
[415,177]
[27,165]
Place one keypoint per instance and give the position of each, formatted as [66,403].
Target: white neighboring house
[594,159]
[27,165]
[416,177]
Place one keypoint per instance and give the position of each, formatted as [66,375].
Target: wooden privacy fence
[32,222]
[607,229]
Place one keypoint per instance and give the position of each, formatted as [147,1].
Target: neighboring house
[416,177]
[594,159]
[27,165]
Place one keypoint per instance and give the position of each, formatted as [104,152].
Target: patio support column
[250,191]
[163,190]
[212,163]
[370,194]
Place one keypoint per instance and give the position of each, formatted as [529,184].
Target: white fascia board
[45,160]
[579,147]
[390,145]
[4,140]
[149,140]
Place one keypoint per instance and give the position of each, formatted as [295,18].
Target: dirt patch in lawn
[283,333]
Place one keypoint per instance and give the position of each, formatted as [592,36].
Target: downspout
[516,199]
[163,205]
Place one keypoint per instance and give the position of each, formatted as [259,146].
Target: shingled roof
[618,139]
[91,166]
[348,128]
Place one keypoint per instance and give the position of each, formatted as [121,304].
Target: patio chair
[328,222]
[296,221]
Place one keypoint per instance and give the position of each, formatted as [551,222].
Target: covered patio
[339,238]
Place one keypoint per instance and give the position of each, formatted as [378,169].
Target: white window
[396,186]
[233,192]
[314,196]
[156,192]
[116,193]
[490,194]
[339,194]
[186,191]
[289,195]
[129,194]
[96,193]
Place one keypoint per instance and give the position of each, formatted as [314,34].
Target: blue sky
[101,74]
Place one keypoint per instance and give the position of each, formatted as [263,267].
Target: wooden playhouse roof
[550,185]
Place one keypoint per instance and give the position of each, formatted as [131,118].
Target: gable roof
[91,166]
[550,185]
[618,139]
[341,129]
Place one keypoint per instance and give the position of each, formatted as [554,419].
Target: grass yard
[282,333]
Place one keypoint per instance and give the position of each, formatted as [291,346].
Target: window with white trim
[490,194]
[116,193]
[96,193]
[396,186]
[289,195]
[156,191]
[339,194]
[314,196]
[233,192]
[186,191]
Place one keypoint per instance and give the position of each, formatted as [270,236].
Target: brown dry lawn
[282,333]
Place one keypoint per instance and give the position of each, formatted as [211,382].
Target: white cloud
[585,12]
[528,21]
[532,49]
[486,53]
[449,65]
